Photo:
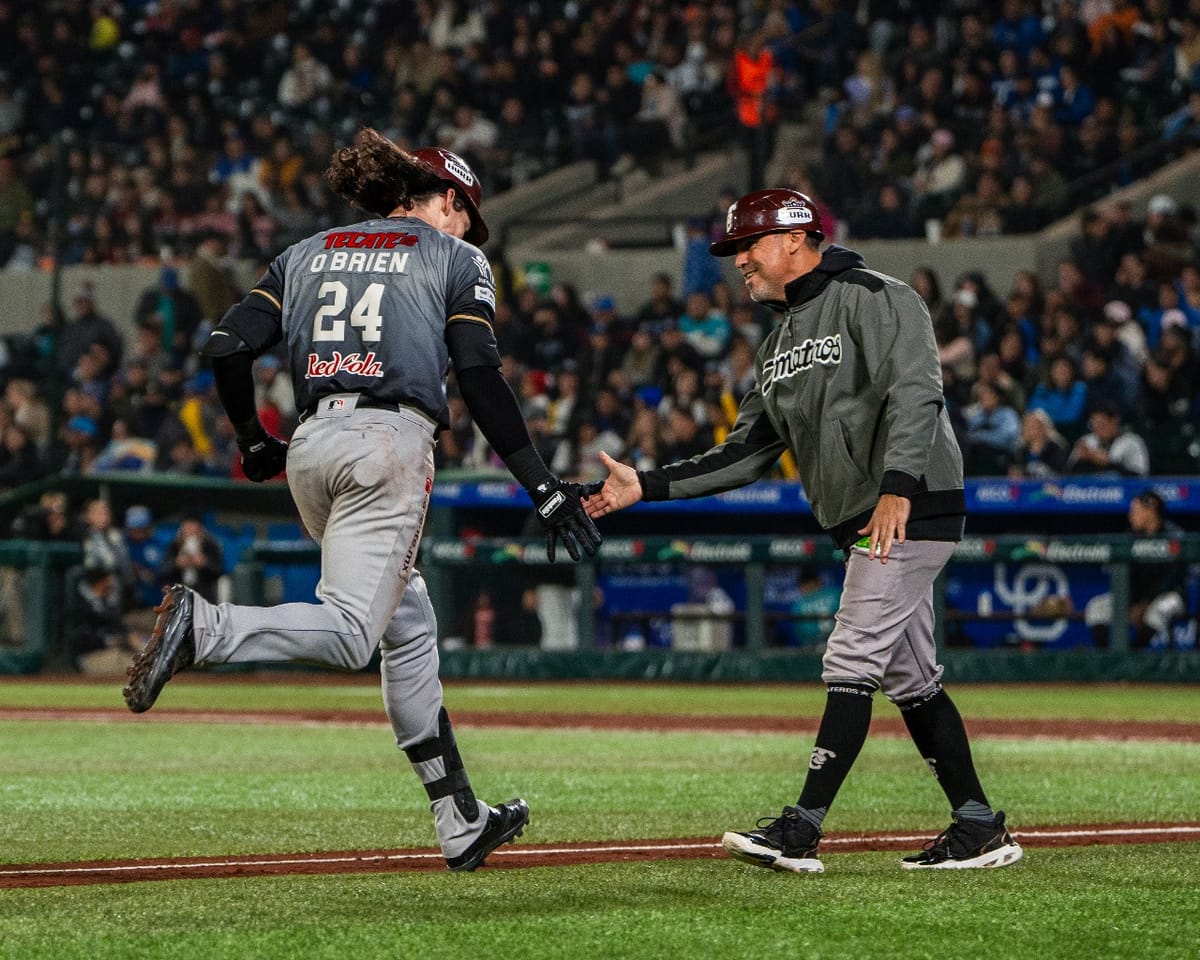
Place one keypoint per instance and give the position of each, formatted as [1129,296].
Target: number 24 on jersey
[330,323]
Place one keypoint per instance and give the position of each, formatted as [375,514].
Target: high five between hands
[623,489]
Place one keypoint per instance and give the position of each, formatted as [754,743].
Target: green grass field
[125,788]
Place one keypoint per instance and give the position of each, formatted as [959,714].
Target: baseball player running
[372,316]
[850,382]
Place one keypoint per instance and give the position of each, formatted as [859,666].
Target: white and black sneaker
[787,843]
[967,845]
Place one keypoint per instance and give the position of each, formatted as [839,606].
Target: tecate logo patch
[552,504]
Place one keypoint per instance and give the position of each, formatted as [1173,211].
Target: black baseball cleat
[966,845]
[504,823]
[171,648]
[787,842]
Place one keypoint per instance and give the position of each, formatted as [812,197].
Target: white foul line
[540,851]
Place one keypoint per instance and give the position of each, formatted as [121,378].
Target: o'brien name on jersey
[788,363]
[372,252]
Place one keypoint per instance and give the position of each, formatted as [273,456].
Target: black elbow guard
[223,342]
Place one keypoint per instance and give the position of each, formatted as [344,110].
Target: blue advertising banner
[1079,495]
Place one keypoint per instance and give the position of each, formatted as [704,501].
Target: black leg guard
[440,767]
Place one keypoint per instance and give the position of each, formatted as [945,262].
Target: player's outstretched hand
[263,457]
[561,511]
[621,489]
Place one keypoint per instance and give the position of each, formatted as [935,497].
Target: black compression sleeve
[494,407]
[234,376]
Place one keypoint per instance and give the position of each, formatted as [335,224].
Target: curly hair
[377,176]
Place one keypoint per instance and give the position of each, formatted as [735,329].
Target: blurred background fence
[738,587]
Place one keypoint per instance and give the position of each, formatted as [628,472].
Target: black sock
[840,737]
[937,729]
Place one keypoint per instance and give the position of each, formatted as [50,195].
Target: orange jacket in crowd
[749,79]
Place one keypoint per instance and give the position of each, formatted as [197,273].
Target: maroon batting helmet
[767,211]
[455,171]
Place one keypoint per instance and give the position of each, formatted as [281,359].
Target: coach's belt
[363,403]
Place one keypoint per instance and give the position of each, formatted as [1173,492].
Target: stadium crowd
[189,134]
[150,126]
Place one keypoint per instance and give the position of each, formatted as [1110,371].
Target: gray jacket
[850,382]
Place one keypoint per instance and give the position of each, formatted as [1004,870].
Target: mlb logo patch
[336,403]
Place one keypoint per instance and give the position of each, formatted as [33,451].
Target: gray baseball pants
[884,625]
[361,480]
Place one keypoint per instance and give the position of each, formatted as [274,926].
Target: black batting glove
[559,508]
[263,456]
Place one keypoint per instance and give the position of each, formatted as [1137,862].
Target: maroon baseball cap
[454,170]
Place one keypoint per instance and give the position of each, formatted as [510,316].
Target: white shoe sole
[1004,856]
[743,848]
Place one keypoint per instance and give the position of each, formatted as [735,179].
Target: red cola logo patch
[352,363]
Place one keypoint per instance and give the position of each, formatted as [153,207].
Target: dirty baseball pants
[361,479]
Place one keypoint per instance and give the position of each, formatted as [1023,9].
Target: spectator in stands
[147,558]
[306,80]
[1104,384]
[886,218]
[100,643]
[1108,447]
[210,278]
[641,360]
[658,129]
[1131,283]
[662,303]
[939,176]
[753,77]
[47,520]
[701,270]
[273,388]
[1062,395]
[20,462]
[704,327]
[925,282]
[86,328]
[812,608]
[578,457]
[1156,590]
[1041,452]
[81,442]
[104,546]
[174,311]
[591,131]
[194,558]
[1167,246]
[993,430]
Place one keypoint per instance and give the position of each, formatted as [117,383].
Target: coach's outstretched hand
[263,457]
[622,489]
[560,508]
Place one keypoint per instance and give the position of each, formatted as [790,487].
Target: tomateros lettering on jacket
[801,357]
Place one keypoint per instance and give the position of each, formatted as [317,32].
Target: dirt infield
[886,726]
[528,855]
[587,852]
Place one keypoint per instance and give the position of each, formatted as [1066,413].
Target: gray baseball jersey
[364,309]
